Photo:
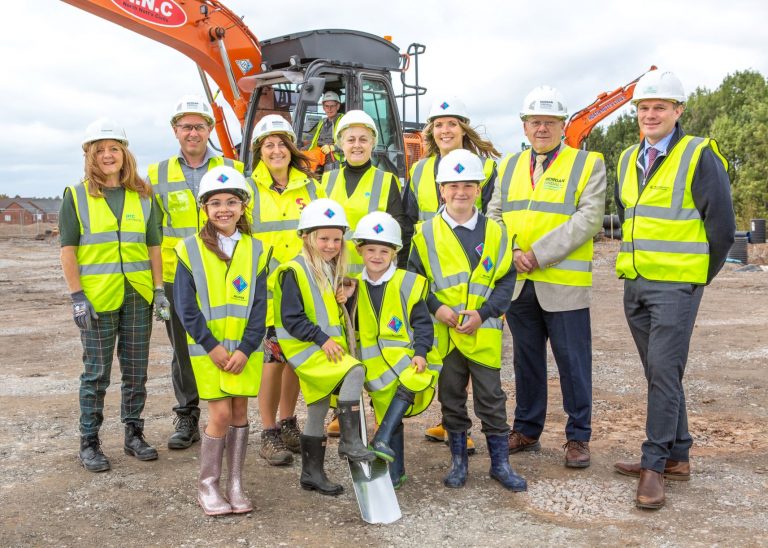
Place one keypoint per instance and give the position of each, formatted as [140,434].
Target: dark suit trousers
[661,317]
[570,336]
[182,376]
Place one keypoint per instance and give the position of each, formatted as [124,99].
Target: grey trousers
[182,376]
[490,400]
[661,316]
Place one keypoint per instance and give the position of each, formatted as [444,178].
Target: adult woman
[110,256]
[282,185]
[447,129]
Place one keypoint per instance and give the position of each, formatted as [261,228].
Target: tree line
[735,115]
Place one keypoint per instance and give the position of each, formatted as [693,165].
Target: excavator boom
[206,31]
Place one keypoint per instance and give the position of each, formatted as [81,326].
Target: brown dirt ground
[46,498]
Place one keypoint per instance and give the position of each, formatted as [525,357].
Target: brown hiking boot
[289,432]
[576,454]
[519,442]
[273,449]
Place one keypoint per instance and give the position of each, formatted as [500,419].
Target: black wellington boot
[382,441]
[351,444]
[313,476]
[457,476]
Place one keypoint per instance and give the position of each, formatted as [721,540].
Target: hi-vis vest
[225,296]
[275,217]
[425,188]
[319,130]
[318,376]
[181,214]
[109,251]
[531,213]
[663,236]
[452,282]
[386,344]
[371,195]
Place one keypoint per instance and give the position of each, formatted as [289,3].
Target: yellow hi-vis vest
[663,236]
[181,215]
[318,376]
[452,282]
[424,187]
[371,195]
[386,344]
[532,213]
[225,296]
[275,217]
[109,251]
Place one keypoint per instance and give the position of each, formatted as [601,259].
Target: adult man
[175,182]
[551,199]
[325,131]
[674,201]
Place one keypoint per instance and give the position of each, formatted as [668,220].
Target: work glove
[162,305]
[82,310]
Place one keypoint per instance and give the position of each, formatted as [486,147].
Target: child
[471,282]
[221,295]
[312,334]
[396,338]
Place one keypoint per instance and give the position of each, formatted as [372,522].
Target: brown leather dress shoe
[673,470]
[519,442]
[650,490]
[576,454]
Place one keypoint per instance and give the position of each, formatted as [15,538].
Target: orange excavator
[284,75]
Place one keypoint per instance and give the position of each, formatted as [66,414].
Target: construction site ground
[47,498]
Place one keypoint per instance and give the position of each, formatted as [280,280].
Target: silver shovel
[373,487]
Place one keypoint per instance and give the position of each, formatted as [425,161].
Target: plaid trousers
[129,328]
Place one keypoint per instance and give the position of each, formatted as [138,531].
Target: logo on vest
[551,183]
[131,217]
[487,264]
[240,284]
[479,249]
[658,187]
[395,324]
[163,13]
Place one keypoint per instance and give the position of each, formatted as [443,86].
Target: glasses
[187,128]
[232,203]
[549,124]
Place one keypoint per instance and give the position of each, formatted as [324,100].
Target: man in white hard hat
[552,198]
[325,131]
[674,200]
[175,182]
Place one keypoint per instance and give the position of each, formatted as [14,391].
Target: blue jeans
[570,335]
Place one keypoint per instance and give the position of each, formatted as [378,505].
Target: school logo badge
[487,264]
[240,284]
[458,168]
[395,324]
[444,105]
[222,178]
[378,229]
[479,248]
[329,213]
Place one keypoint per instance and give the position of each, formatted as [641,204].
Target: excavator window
[378,102]
[315,115]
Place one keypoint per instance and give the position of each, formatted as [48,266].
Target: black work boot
[313,476]
[135,444]
[351,444]
[187,432]
[91,456]
[382,441]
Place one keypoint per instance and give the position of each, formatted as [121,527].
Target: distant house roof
[49,205]
[33,205]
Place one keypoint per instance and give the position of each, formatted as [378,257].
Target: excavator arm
[582,122]
[206,31]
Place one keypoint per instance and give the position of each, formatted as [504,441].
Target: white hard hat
[223,179]
[356,118]
[544,101]
[272,124]
[330,96]
[460,165]
[448,106]
[104,128]
[192,104]
[322,213]
[659,85]
[378,226]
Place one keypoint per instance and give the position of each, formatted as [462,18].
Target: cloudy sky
[63,67]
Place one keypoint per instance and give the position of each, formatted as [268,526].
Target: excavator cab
[356,65]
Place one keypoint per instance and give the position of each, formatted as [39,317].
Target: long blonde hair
[471,141]
[315,262]
[129,176]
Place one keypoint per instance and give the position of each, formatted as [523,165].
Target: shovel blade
[374,491]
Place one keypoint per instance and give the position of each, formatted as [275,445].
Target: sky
[63,67]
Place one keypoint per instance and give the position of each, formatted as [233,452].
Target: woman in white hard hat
[220,291]
[282,185]
[110,256]
[447,129]
[396,336]
[465,256]
[308,293]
